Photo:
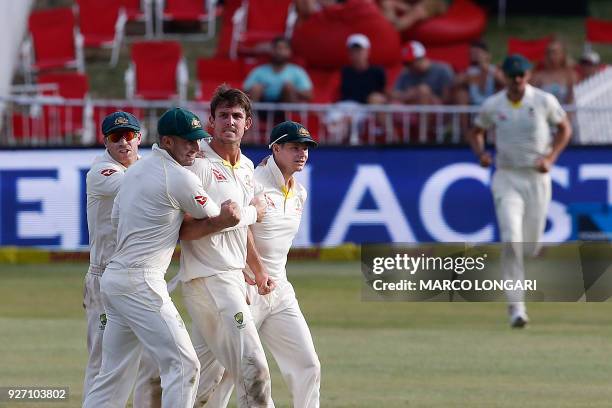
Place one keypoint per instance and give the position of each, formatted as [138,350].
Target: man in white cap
[360,79]
[148,212]
[422,82]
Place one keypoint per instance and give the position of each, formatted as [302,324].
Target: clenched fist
[230,214]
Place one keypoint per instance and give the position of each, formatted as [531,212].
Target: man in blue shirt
[279,81]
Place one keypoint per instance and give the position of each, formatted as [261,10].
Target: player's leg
[510,210]
[121,353]
[218,308]
[147,390]
[537,200]
[286,334]
[216,385]
[96,320]
[160,328]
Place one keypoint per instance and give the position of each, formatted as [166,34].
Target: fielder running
[121,132]
[214,289]
[155,194]
[279,320]
[524,119]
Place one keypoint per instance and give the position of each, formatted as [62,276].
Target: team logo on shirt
[218,175]
[502,117]
[239,318]
[247,181]
[201,200]
[102,321]
[269,201]
[108,172]
[298,207]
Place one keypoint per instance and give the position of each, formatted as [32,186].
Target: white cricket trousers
[147,389]
[521,199]
[283,329]
[219,312]
[139,312]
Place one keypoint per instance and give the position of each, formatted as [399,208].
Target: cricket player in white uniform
[531,131]
[214,288]
[279,320]
[148,212]
[122,137]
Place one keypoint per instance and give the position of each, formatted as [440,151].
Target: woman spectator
[481,80]
[556,74]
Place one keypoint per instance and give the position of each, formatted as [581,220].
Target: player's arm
[560,141]
[476,139]
[193,228]
[264,283]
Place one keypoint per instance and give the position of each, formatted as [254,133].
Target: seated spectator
[481,80]
[422,82]
[279,81]
[589,65]
[403,14]
[556,74]
[359,80]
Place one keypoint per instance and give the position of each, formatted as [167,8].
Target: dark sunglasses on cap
[128,135]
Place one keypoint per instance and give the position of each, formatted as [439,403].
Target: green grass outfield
[373,354]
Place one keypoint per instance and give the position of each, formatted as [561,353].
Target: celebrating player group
[235,224]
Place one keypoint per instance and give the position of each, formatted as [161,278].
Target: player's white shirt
[274,234]
[224,250]
[155,194]
[522,131]
[103,182]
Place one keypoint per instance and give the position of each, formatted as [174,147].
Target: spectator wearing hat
[280,80]
[589,65]
[422,82]
[360,79]
[556,74]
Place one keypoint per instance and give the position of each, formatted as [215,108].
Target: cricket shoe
[518,319]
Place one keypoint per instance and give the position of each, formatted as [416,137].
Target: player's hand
[230,214]
[543,164]
[248,279]
[265,284]
[260,205]
[485,159]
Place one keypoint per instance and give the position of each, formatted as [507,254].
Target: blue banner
[355,195]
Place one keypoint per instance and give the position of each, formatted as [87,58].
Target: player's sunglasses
[125,134]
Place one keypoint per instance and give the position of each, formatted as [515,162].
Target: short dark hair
[280,39]
[228,96]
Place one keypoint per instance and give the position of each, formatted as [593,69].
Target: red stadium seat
[224,42]
[70,86]
[257,22]
[187,11]
[534,50]
[598,30]
[54,43]
[158,71]
[464,21]
[325,84]
[213,72]
[457,55]
[102,25]
[140,10]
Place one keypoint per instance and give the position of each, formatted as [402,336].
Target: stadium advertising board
[355,195]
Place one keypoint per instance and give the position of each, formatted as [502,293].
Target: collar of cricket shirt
[279,179]
[210,154]
[107,157]
[163,153]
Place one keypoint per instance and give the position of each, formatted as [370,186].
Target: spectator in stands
[280,80]
[422,82]
[403,14]
[556,74]
[481,80]
[360,79]
[589,65]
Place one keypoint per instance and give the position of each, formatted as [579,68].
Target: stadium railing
[23,122]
